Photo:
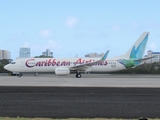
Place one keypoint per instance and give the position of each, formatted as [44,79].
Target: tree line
[146,68]
[3,62]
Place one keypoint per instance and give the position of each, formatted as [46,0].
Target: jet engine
[62,71]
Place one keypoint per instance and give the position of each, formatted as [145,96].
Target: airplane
[64,66]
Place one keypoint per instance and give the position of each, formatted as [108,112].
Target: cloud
[153,46]
[53,45]
[50,44]
[46,32]
[134,25]
[71,22]
[116,27]
[37,49]
[26,44]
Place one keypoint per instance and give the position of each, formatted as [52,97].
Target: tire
[79,75]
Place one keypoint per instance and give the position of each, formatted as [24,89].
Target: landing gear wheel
[78,75]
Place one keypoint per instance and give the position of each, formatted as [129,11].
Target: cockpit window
[13,62]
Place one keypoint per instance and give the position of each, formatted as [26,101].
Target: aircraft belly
[44,69]
[107,68]
[37,69]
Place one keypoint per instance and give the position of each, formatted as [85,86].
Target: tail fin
[138,49]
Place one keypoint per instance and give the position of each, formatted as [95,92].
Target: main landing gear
[78,75]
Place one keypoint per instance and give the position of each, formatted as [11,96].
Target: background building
[156,56]
[24,52]
[47,53]
[94,55]
[5,54]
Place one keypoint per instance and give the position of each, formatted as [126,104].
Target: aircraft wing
[86,65]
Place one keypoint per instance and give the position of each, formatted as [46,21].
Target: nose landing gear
[19,75]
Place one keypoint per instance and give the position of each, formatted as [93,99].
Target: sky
[77,27]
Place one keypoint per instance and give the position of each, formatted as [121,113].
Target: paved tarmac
[79,102]
[88,80]
[92,96]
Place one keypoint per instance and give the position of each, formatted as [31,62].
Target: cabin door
[22,64]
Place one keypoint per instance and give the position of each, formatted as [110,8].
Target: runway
[93,96]
[88,80]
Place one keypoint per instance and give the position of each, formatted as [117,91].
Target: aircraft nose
[6,67]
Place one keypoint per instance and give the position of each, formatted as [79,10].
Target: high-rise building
[47,53]
[94,55]
[155,55]
[5,54]
[24,52]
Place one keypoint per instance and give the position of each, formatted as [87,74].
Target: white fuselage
[50,64]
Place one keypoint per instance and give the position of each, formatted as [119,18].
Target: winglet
[105,55]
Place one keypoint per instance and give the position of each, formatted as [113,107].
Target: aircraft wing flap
[83,66]
[86,65]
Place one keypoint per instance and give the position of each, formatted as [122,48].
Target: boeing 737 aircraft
[64,66]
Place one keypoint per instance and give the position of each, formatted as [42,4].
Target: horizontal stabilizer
[143,59]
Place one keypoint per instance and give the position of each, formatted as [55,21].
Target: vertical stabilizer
[138,49]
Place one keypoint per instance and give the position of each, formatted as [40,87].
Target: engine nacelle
[62,71]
